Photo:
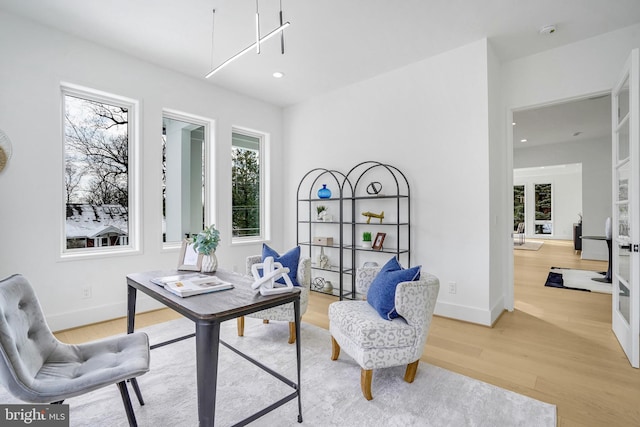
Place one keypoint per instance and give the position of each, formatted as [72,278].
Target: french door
[625,233]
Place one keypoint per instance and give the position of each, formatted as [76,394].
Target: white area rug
[330,389]
[529,245]
[582,279]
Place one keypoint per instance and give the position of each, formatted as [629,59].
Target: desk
[607,277]
[207,311]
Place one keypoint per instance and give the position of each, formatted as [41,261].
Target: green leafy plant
[207,240]
[321,209]
[366,236]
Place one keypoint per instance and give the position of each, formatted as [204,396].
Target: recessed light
[278,75]
[513,124]
[523,140]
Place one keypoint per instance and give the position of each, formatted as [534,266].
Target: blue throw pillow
[382,292]
[289,259]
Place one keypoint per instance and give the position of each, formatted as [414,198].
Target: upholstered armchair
[283,313]
[374,342]
[37,368]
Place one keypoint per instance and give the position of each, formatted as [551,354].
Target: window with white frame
[99,168]
[543,223]
[248,219]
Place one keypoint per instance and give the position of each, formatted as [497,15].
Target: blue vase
[324,192]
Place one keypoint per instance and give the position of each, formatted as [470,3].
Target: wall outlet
[86,292]
[453,287]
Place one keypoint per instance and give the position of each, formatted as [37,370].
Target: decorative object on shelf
[324,241]
[318,284]
[323,214]
[328,287]
[377,244]
[374,188]
[370,215]
[321,210]
[5,150]
[366,239]
[324,192]
[255,45]
[323,260]
[206,243]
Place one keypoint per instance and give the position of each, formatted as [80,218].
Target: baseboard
[74,319]
[465,313]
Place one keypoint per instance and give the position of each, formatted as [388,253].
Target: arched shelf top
[313,179]
[359,172]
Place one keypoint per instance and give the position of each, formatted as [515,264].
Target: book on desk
[192,284]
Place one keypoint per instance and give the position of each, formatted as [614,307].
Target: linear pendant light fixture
[256,44]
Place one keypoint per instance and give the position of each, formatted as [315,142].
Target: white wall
[35,61]
[595,157]
[566,197]
[429,119]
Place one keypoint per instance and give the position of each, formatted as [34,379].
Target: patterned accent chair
[37,368]
[283,312]
[374,342]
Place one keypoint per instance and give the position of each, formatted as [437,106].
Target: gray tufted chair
[37,368]
[374,342]
[283,312]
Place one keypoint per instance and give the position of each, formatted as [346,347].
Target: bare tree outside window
[245,180]
[96,143]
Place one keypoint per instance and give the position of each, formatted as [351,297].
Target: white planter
[209,263]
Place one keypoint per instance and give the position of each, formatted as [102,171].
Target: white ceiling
[578,120]
[330,44]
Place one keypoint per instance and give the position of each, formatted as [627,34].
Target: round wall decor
[5,150]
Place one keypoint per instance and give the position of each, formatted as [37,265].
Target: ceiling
[579,120]
[330,43]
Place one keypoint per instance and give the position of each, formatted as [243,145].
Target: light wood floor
[556,346]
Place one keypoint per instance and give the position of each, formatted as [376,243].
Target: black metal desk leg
[131,308]
[132,294]
[207,344]
[296,313]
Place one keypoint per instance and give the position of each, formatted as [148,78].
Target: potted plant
[322,212]
[366,239]
[206,243]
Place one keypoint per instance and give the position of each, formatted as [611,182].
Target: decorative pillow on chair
[382,292]
[289,259]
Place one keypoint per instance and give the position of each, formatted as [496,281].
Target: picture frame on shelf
[377,243]
[189,259]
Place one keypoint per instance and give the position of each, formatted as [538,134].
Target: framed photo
[189,258]
[377,243]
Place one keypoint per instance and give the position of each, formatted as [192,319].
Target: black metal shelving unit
[351,193]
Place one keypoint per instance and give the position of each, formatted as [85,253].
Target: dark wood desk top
[214,306]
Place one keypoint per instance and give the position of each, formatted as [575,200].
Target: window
[518,205]
[185,146]
[543,223]
[99,158]
[247,186]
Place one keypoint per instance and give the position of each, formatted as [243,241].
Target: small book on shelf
[190,286]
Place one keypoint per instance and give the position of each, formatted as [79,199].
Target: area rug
[529,246]
[330,389]
[580,280]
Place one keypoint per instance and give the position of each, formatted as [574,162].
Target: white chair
[37,368]
[374,342]
[518,235]
[283,313]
